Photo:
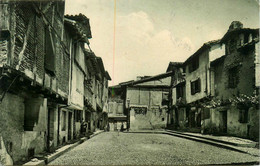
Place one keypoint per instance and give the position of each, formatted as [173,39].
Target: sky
[151,33]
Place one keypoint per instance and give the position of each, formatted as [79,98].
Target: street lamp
[128,113]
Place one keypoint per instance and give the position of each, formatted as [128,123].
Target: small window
[246,38]
[233,77]
[250,38]
[241,40]
[195,86]
[165,98]
[183,70]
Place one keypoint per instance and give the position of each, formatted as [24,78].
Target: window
[183,70]
[250,38]
[165,99]
[241,40]
[194,64]
[243,116]
[233,77]
[246,38]
[195,86]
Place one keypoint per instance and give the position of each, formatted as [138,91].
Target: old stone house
[219,87]
[177,95]
[117,113]
[235,85]
[146,101]
[191,85]
[42,87]
[96,92]
[76,34]
[33,79]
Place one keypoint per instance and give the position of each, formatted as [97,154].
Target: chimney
[235,25]
[138,78]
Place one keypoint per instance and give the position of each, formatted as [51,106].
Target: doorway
[50,135]
[70,126]
[223,121]
[192,119]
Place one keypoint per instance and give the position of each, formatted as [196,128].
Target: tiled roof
[236,31]
[173,64]
[203,47]
[156,77]
[83,23]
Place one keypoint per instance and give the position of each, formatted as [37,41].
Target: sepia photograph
[129,82]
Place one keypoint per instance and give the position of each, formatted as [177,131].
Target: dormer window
[246,38]
[241,40]
[183,70]
[250,38]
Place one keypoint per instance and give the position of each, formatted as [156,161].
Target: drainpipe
[70,71]
[210,81]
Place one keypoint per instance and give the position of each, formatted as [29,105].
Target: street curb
[249,145]
[217,144]
[47,159]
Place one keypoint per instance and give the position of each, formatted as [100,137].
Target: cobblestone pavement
[147,149]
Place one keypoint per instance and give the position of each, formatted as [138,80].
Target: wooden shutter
[49,58]
[199,85]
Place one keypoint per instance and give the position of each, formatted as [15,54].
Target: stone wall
[244,61]
[20,141]
[26,51]
[249,129]
[115,108]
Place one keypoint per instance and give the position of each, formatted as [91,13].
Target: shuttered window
[195,86]
[49,58]
[194,65]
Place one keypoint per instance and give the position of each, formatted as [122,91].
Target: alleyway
[109,148]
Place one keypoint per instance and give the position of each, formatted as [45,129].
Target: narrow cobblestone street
[109,148]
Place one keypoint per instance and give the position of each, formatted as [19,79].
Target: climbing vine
[242,101]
